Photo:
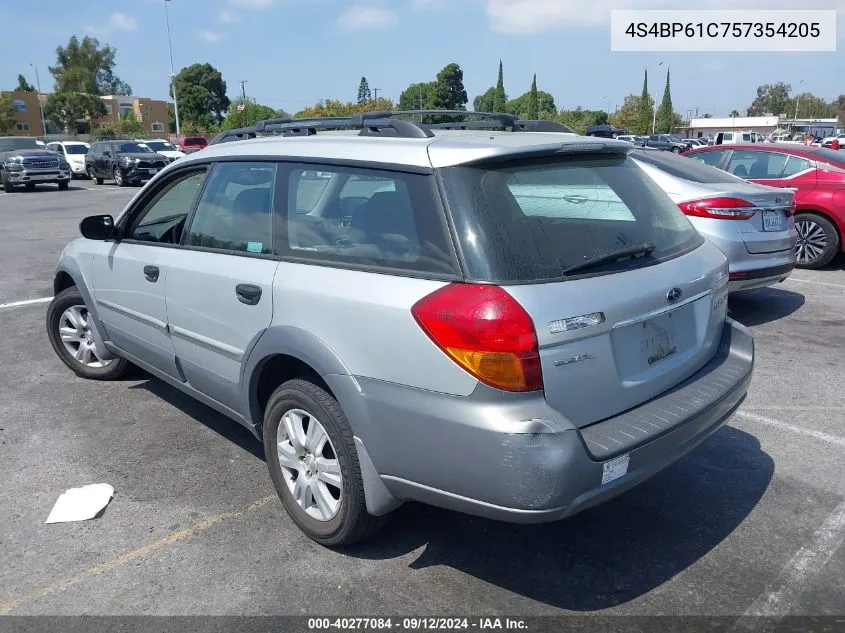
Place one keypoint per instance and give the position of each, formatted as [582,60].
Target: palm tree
[734,114]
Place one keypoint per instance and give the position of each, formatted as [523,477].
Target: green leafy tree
[484,102]
[202,95]
[449,92]
[252,113]
[416,96]
[665,114]
[97,68]
[646,114]
[706,115]
[500,97]
[364,93]
[838,109]
[8,120]
[627,116]
[811,107]
[532,99]
[128,126]
[772,98]
[734,113]
[333,107]
[24,85]
[65,109]
[580,119]
[546,108]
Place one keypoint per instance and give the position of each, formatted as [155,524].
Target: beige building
[151,113]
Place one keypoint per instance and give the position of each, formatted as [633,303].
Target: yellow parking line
[131,555]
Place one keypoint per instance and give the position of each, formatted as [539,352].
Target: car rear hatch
[613,331]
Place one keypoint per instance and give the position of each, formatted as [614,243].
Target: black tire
[69,298]
[91,175]
[63,185]
[676,150]
[832,241]
[119,178]
[352,522]
[8,187]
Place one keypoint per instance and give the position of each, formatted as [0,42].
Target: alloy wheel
[811,243]
[309,464]
[77,337]
[118,177]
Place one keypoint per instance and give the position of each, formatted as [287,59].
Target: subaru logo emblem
[673,295]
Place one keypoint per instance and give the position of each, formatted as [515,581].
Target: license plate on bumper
[774,221]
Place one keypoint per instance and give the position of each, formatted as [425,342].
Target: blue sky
[295,52]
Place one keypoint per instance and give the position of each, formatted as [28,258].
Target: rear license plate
[773,221]
[152,171]
[658,338]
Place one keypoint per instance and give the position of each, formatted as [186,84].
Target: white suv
[73,152]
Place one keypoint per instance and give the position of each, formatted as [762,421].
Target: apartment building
[151,113]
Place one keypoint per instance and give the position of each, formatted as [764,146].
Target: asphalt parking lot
[750,523]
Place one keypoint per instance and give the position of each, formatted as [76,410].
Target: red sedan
[817,174]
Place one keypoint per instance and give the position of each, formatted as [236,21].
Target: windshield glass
[8,144]
[831,156]
[76,149]
[160,146]
[134,148]
[683,167]
[529,220]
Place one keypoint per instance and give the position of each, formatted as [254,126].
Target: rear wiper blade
[629,252]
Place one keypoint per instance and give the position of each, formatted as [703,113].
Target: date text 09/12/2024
[416,624]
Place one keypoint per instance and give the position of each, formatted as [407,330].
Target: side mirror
[97,227]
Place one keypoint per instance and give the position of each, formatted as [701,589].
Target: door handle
[248,294]
[151,273]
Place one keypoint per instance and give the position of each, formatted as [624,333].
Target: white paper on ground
[80,504]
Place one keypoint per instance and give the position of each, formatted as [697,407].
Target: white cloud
[124,22]
[523,17]
[252,4]
[362,17]
[210,36]
[227,16]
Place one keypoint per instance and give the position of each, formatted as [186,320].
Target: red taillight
[719,208]
[485,331]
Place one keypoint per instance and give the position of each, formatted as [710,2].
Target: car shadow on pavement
[207,416]
[756,307]
[605,556]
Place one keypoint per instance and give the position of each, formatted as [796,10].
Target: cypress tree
[532,99]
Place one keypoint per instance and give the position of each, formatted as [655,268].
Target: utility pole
[40,106]
[172,73]
[243,89]
[375,93]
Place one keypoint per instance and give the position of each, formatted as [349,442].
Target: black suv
[25,163]
[125,162]
[668,143]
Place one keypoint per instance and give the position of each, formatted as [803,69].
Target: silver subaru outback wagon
[513,324]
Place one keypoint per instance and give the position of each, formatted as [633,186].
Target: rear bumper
[759,277]
[513,458]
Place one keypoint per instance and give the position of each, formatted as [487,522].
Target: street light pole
[40,107]
[172,73]
[797,101]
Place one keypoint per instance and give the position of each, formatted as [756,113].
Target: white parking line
[818,283]
[818,435]
[807,562]
[17,304]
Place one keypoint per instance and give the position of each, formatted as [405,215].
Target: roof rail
[378,123]
[385,123]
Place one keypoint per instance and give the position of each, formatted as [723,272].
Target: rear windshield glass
[832,156]
[683,167]
[528,221]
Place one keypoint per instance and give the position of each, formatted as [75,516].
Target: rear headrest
[255,200]
[386,212]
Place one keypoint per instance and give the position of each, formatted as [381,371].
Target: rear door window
[366,217]
[710,157]
[757,165]
[795,165]
[529,220]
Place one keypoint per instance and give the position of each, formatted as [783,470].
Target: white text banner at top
[723,31]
